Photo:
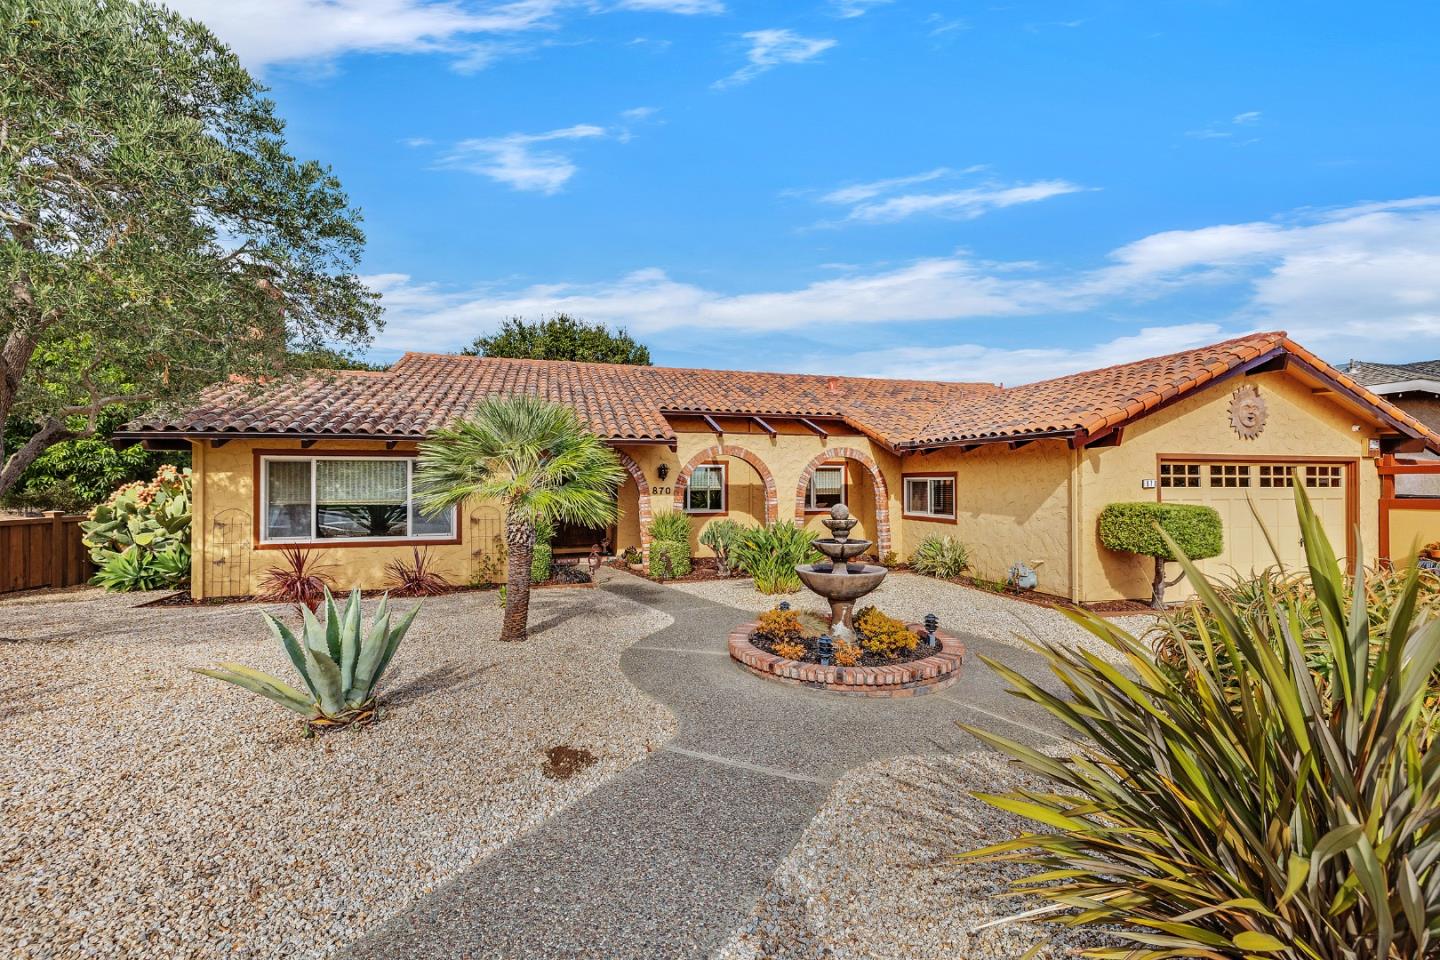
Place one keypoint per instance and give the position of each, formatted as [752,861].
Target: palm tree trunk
[520,550]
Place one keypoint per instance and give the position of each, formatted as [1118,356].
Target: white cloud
[1360,281]
[415,142]
[265,32]
[880,201]
[1011,366]
[849,9]
[639,113]
[514,160]
[770,49]
[1247,119]
[1224,131]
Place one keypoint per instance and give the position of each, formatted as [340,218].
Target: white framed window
[306,499]
[705,492]
[930,497]
[827,487]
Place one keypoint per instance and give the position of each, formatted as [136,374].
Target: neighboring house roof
[423,391]
[1396,377]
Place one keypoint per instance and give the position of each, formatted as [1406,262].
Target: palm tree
[534,457]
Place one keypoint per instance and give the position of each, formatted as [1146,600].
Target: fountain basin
[842,549]
[824,579]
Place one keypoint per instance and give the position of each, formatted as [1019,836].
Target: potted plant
[633,559]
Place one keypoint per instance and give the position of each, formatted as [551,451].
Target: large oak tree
[155,233]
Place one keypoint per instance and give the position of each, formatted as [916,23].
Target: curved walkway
[668,857]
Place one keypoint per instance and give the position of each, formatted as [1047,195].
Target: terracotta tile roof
[422,391]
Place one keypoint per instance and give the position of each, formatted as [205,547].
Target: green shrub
[881,634]
[721,536]
[940,557]
[632,555]
[1238,807]
[340,661]
[669,558]
[139,524]
[770,555]
[542,563]
[670,526]
[1137,528]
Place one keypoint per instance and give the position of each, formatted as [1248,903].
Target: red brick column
[877,480]
[772,500]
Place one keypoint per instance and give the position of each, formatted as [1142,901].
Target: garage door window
[1179,474]
[1229,474]
[1273,475]
[1322,476]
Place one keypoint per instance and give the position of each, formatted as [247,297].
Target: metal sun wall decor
[1247,412]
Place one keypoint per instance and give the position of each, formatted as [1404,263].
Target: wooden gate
[1409,508]
[42,552]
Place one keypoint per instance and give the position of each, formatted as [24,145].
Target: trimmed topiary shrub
[670,526]
[943,557]
[669,558]
[1135,528]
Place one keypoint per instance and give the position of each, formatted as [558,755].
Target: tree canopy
[561,337]
[155,233]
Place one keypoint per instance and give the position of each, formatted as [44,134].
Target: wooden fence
[1409,508]
[42,552]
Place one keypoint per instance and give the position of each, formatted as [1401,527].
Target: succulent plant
[340,662]
[140,537]
[137,569]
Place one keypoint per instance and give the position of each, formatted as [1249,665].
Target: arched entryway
[877,484]
[642,501]
[717,452]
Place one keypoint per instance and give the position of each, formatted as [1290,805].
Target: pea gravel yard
[146,811]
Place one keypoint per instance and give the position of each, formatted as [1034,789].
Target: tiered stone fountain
[840,581]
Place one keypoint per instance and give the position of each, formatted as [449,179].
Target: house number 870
[655,490]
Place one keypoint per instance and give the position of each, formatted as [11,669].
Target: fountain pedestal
[840,581]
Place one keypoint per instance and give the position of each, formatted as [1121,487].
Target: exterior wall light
[662,471]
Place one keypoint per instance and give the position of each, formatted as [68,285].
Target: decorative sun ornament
[1247,412]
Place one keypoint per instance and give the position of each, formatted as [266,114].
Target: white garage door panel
[1231,488]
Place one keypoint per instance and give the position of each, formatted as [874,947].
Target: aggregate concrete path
[669,856]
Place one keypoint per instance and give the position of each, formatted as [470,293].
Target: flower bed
[935,670]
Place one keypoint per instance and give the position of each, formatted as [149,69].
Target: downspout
[198,543]
[1077,505]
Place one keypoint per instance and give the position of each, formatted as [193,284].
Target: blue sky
[997,191]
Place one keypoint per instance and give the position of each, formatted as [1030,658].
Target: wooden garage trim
[1352,483]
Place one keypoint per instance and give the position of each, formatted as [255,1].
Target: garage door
[1231,487]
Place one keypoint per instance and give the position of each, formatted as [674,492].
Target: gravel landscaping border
[151,812]
[875,877]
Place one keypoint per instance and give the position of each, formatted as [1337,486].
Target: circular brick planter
[935,672]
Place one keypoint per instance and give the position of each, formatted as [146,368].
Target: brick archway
[877,481]
[642,487]
[772,501]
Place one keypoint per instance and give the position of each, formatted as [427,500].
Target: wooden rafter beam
[713,425]
[765,426]
[307,444]
[814,428]
[391,444]
[219,442]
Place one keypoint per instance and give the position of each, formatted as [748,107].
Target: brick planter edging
[926,675]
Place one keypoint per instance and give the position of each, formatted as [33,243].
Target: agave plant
[340,662]
[1234,809]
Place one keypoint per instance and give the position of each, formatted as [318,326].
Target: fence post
[57,547]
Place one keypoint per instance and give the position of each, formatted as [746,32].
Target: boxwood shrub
[669,558]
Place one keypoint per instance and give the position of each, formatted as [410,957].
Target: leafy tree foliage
[76,474]
[561,337]
[155,234]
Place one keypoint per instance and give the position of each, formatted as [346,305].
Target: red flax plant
[417,579]
[299,578]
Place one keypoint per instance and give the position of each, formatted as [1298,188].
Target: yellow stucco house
[1019,474]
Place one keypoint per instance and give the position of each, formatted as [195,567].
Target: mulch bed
[564,578]
[564,761]
[1104,608]
[701,568]
[867,659]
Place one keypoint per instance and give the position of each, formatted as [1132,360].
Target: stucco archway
[642,488]
[877,483]
[772,502]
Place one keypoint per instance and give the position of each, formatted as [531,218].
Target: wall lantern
[662,471]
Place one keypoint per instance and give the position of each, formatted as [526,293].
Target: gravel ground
[961,609]
[874,876]
[149,812]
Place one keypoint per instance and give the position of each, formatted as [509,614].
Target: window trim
[724,469]
[950,475]
[844,469]
[260,482]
